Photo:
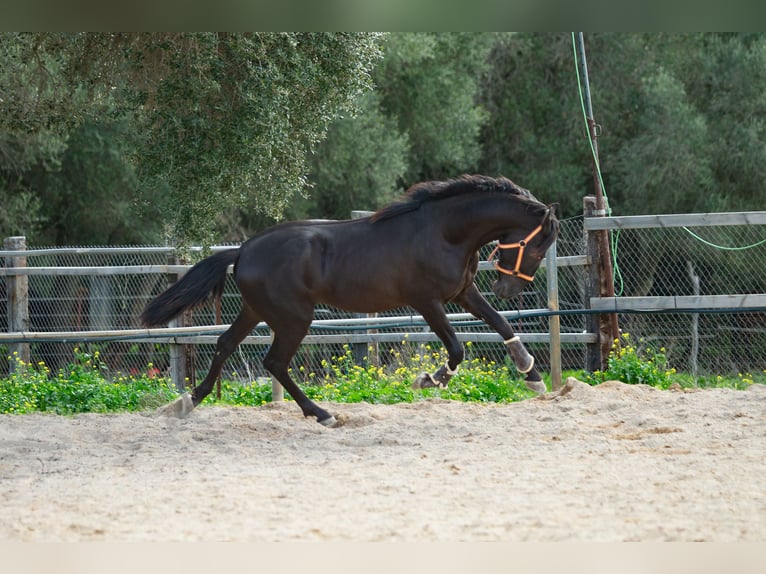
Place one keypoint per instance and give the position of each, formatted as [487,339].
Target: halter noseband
[521,244]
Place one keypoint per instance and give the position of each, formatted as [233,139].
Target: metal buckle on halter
[521,245]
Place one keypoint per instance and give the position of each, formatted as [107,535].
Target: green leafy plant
[739,382]
[85,385]
[82,386]
[635,364]
[478,379]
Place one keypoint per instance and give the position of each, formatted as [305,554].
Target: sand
[614,462]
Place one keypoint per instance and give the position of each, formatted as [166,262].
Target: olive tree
[214,120]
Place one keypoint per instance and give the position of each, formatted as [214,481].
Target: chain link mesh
[650,262]
[685,261]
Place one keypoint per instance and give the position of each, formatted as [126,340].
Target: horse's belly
[363,299]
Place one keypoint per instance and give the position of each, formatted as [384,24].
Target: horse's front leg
[436,318]
[474,302]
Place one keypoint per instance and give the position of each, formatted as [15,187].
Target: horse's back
[340,263]
[357,265]
[292,253]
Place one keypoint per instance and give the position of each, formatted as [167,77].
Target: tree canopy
[109,138]
[207,120]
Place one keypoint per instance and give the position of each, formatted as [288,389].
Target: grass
[635,362]
[81,387]
[86,386]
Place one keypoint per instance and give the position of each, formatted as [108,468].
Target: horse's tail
[206,278]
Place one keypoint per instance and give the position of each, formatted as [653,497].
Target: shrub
[633,365]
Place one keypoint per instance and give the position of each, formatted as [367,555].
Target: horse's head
[521,252]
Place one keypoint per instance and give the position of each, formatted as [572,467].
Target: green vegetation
[195,119]
[478,380]
[638,363]
[629,364]
[240,129]
[85,386]
[81,387]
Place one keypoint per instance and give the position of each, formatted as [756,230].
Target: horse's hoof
[423,381]
[179,408]
[536,387]
[328,422]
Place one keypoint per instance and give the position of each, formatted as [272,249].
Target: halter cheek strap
[521,245]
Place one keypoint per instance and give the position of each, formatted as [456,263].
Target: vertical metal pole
[586,94]
[609,327]
[554,321]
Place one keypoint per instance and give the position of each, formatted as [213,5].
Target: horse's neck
[477,221]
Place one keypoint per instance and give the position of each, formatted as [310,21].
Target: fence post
[177,352]
[554,322]
[694,353]
[593,351]
[18,298]
[277,390]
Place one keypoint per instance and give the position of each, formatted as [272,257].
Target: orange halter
[521,244]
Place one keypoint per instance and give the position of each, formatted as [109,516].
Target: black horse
[421,251]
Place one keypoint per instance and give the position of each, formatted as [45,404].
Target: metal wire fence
[105,289]
[710,266]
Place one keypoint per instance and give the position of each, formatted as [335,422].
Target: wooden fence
[17,272]
[693,304]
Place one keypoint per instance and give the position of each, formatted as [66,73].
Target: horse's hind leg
[287,338]
[225,346]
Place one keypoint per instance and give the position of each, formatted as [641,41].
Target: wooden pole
[218,319]
[176,351]
[277,390]
[608,323]
[694,353]
[594,352]
[554,322]
[18,299]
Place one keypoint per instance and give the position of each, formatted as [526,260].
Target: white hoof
[179,408]
[331,422]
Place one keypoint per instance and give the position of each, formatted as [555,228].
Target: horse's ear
[549,223]
[549,213]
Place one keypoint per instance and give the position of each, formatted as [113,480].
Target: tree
[242,129]
[535,133]
[360,164]
[32,129]
[422,122]
[94,187]
[726,80]
[429,83]
[666,165]
[216,120]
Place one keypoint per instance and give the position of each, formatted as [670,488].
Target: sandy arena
[607,463]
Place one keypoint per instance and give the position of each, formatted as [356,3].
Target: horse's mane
[426,191]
